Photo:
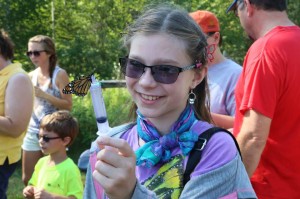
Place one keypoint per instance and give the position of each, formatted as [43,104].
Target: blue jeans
[6,170]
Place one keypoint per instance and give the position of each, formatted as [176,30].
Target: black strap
[196,152]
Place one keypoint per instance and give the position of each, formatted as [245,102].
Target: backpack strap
[196,152]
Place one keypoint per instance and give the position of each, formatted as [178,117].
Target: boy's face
[50,142]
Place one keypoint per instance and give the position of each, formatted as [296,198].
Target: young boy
[56,175]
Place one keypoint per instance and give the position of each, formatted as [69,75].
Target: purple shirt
[219,150]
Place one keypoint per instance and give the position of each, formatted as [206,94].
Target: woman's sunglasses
[35,53]
[165,74]
[46,138]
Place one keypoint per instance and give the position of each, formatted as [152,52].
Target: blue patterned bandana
[158,148]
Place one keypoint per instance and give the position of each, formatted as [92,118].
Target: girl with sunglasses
[165,73]
[48,80]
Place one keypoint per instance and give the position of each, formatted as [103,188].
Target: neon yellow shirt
[9,146]
[63,179]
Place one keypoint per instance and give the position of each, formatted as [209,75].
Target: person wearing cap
[223,73]
[267,118]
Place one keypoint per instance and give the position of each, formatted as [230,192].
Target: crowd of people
[182,88]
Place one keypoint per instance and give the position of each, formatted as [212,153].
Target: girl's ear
[66,140]
[199,76]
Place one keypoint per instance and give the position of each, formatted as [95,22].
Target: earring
[192,97]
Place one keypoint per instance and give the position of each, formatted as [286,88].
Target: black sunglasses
[165,74]
[235,9]
[46,138]
[35,53]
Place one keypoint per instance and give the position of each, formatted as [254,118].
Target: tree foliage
[87,33]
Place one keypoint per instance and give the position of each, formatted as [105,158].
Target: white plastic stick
[99,107]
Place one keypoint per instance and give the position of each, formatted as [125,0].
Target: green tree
[294,10]
[87,33]
[90,38]
[22,19]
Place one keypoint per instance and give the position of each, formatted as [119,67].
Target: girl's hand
[115,167]
[39,92]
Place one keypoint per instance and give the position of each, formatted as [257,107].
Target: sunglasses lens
[162,73]
[131,68]
[35,53]
[165,74]
[45,138]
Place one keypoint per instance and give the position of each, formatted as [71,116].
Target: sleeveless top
[41,106]
[10,147]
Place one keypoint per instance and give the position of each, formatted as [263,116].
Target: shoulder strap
[55,72]
[196,152]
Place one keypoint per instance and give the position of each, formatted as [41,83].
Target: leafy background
[87,33]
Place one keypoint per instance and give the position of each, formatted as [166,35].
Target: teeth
[148,97]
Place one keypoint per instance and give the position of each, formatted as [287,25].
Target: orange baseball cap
[207,21]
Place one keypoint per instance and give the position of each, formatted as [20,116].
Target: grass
[16,186]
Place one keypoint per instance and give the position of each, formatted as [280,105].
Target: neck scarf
[158,148]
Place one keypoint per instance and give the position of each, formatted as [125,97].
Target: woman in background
[48,80]
[16,103]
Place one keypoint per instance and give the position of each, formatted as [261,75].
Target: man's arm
[252,138]
[224,121]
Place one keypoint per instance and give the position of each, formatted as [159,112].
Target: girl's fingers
[121,145]
[115,159]
[114,179]
[100,177]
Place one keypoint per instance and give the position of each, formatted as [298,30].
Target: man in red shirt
[267,119]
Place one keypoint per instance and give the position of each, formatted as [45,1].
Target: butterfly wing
[168,180]
[79,87]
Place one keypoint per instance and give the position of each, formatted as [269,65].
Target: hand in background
[41,194]
[39,92]
[28,192]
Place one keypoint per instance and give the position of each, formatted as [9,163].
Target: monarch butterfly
[79,86]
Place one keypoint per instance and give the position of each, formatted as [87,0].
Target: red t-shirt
[270,85]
